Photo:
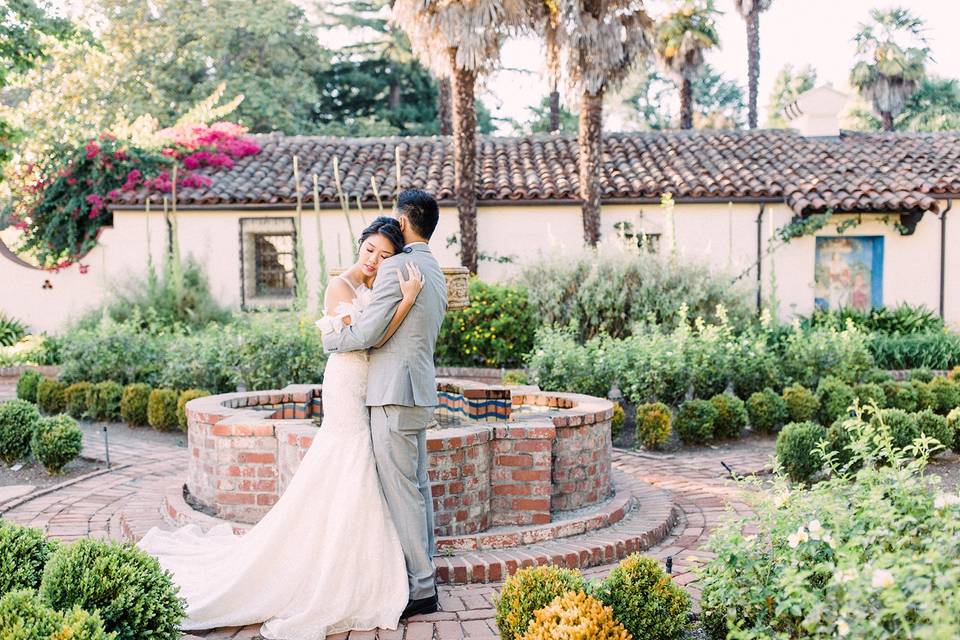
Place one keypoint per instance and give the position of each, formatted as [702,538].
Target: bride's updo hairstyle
[389,228]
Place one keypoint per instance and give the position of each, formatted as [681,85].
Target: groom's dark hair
[421,210]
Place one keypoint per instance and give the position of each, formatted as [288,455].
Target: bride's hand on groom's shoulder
[413,284]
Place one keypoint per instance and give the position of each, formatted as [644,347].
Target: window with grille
[268,256]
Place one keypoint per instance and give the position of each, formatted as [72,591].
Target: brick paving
[107,504]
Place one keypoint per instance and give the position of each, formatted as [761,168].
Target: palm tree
[459,40]
[682,38]
[603,39]
[751,10]
[888,73]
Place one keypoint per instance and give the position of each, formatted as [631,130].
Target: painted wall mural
[849,272]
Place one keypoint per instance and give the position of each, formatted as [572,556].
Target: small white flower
[845,575]
[882,579]
[781,499]
[794,539]
[843,628]
[815,529]
[829,540]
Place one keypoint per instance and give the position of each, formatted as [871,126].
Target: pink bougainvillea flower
[92,149]
[71,180]
[84,268]
[120,154]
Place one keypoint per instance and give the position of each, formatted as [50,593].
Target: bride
[326,558]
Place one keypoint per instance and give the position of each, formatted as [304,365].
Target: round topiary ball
[18,419]
[653,424]
[27,385]
[902,426]
[946,395]
[75,397]
[695,420]
[51,396]
[23,555]
[836,398]
[795,449]
[192,394]
[56,441]
[104,400]
[767,411]
[935,426]
[528,590]
[920,374]
[869,394]
[133,594]
[133,404]
[802,404]
[162,409]
[645,599]
[900,395]
[731,415]
[925,397]
[576,616]
[25,616]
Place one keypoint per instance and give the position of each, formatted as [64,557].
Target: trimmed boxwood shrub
[134,402]
[694,421]
[870,393]
[795,449]
[653,424]
[27,385]
[953,422]
[192,394]
[731,415]
[616,421]
[162,409]
[900,395]
[528,590]
[56,441]
[75,399]
[103,403]
[51,396]
[575,616]
[835,397]
[18,419]
[925,397]
[946,395]
[25,616]
[767,411]
[839,436]
[134,595]
[802,404]
[920,374]
[902,425]
[23,555]
[934,426]
[645,599]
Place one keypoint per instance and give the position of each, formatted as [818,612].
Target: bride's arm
[410,289]
[337,293]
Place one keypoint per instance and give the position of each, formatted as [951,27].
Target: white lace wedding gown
[326,558]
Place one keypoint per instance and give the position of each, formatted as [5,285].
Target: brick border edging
[16,502]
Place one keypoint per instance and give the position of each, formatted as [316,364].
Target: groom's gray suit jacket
[402,370]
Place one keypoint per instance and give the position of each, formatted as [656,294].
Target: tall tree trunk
[444,108]
[686,103]
[393,99]
[887,118]
[554,111]
[590,143]
[465,162]
[753,65]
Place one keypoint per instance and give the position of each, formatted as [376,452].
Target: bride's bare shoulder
[337,291]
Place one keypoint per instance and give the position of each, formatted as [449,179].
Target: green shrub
[27,385]
[651,366]
[162,409]
[754,366]
[51,396]
[767,411]
[900,395]
[104,400]
[123,352]
[183,399]
[870,393]
[731,415]
[75,399]
[133,404]
[902,426]
[56,441]
[23,555]
[903,319]
[645,599]
[709,359]
[496,330]
[133,594]
[18,419]
[11,330]
[518,377]
[934,426]
[920,374]
[955,374]
[840,436]
[795,449]
[25,616]
[812,355]
[694,421]
[953,422]
[933,350]
[877,376]
[802,404]
[925,397]
[559,363]
[946,395]
[835,397]
[653,424]
[575,616]
[528,590]
[617,421]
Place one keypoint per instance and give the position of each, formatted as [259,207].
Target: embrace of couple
[349,544]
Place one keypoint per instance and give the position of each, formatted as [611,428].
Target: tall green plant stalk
[300,268]
[322,258]
[376,193]
[363,218]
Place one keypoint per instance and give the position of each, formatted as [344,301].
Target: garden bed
[36,476]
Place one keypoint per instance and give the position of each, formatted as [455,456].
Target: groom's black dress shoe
[421,606]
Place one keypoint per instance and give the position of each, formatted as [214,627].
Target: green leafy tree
[934,106]
[542,119]
[788,84]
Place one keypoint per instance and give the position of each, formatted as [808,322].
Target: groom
[402,389]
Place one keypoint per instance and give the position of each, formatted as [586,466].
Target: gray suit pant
[400,448]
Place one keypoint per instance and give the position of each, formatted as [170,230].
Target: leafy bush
[802,404]
[515,378]
[608,291]
[767,411]
[18,420]
[183,399]
[56,441]
[133,404]
[653,424]
[618,420]
[810,356]
[934,426]
[870,559]
[27,385]
[23,555]
[924,393]
[902,426]
[104,400]
[645,599]
[754,365]
[575,616]
[953,422]
[904,319]
[652,367]
[528,590]
[162,409]
[496,330]
[920,374]
[51,396]
[119,351]
[34,350]
[75,399]
[835,397]
[25,616]
[133,594]
[955,374]
[731,415]
[11,330]
[709,358]
[840,437]
[900,395]
[877,376]
[946,394]
[796,453]
[936,350]
[694,422]
[560,364]
[870,393]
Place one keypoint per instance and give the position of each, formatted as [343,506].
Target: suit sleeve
[369,328]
